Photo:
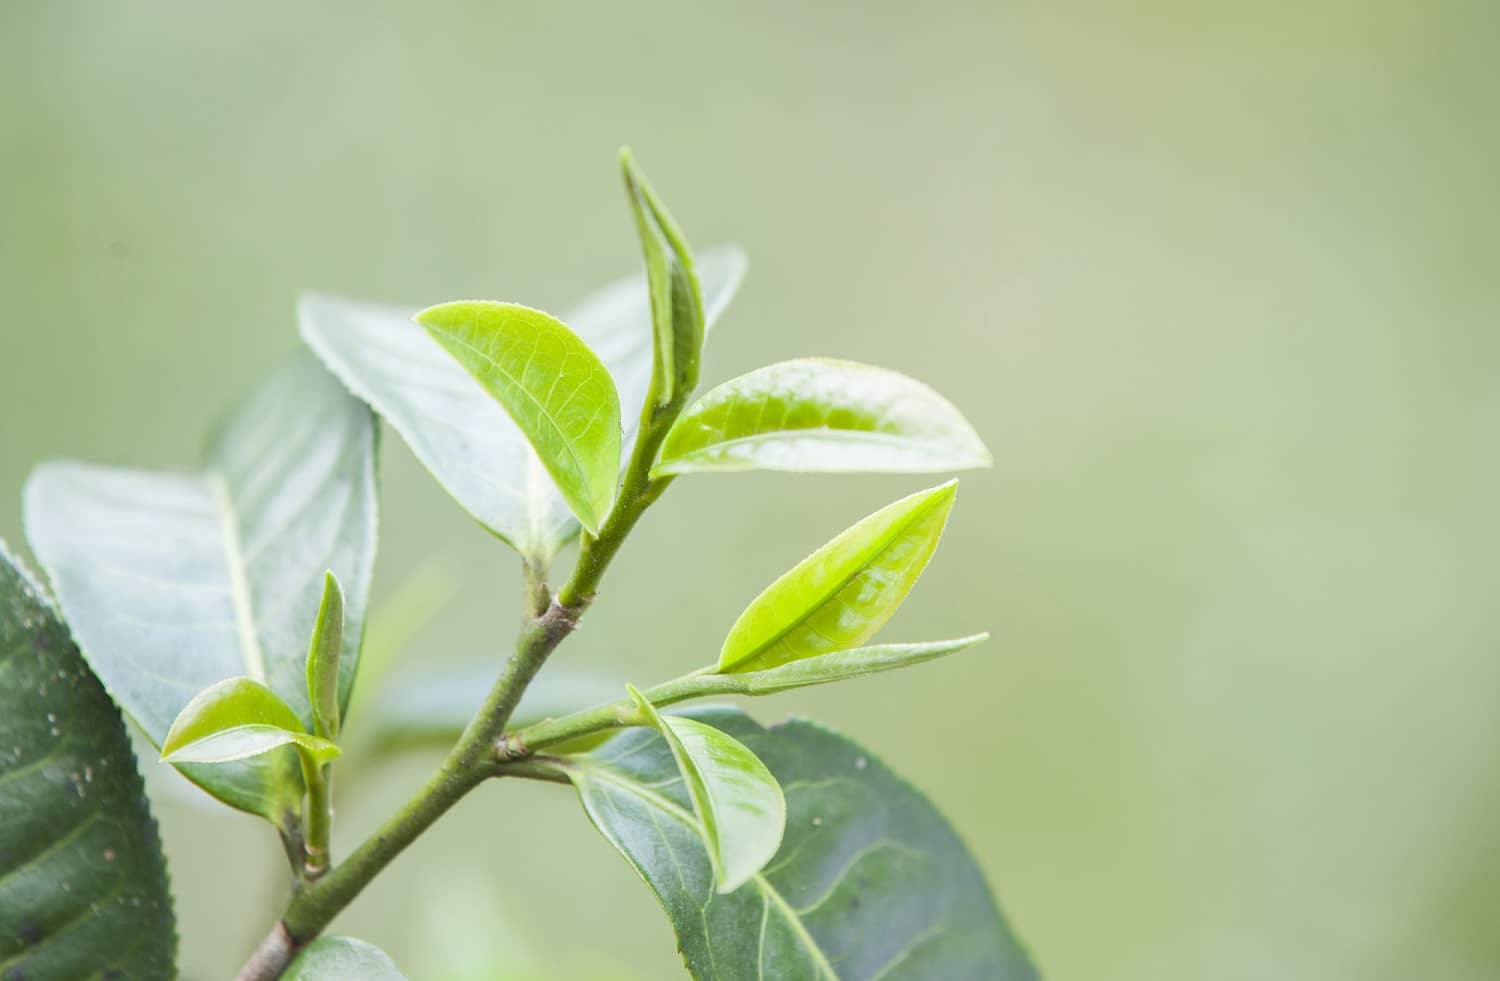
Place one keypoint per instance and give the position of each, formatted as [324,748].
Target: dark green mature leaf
[323,652]
[458,431]
[173,582]
[870,881]
[737,805]
[555,389]
[672,280]
[815,414]
[83,886]
[236,719]
[342,959]
[841,595]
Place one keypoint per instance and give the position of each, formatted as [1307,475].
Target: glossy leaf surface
[841,595]
[323,652]
[83,886]
[555,389]
[236,719]
[342,959]
[737,805]
[672,281]
[824,669]
[175,581]
[457,430]
[870,881]
[815,414]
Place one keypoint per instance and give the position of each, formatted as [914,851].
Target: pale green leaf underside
[870,881]
[83,885]
[824,669]
[841,595]
[466,439]
[342,959]
[737,805]
[555,389]
[816,414]
[236,719]
[175,581]
[243,742]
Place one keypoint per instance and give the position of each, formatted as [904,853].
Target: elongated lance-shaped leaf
[342,959]
[870,881]
[556,390]
[83,885]
[175,581]
[842,594]
[738,805]
[461,434]
[815,414]
[823,669]
[323,659]
[236,719]
[676,297]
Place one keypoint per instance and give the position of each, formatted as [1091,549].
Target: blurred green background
[1217,283]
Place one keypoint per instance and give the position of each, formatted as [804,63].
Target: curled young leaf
[676,297]
[738,804]
[842,594]
[820,415]
[555,389]
[323,659]
[236,719]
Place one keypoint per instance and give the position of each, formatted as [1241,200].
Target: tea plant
[224,610]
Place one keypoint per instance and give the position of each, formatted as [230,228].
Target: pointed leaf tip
[841,595]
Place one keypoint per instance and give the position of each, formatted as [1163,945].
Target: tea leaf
[841,595]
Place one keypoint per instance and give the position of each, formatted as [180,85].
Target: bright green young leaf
[83,886]
[815,414]
[175,581]
[236,719]
[556,390]
[323,659]
[676,298]
[822,669]
[342,959]
[431,707]
[463,435]
[842,594]
[870,881]
[737,804]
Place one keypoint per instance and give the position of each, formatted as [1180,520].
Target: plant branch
[473,758]
[615,715]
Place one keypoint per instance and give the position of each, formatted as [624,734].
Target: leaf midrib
[808,609]
[239,583]
[526,393]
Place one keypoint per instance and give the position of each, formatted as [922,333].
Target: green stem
[615,715]
[474,757]
[319,819]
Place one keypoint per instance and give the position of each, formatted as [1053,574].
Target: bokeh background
[1218,284]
